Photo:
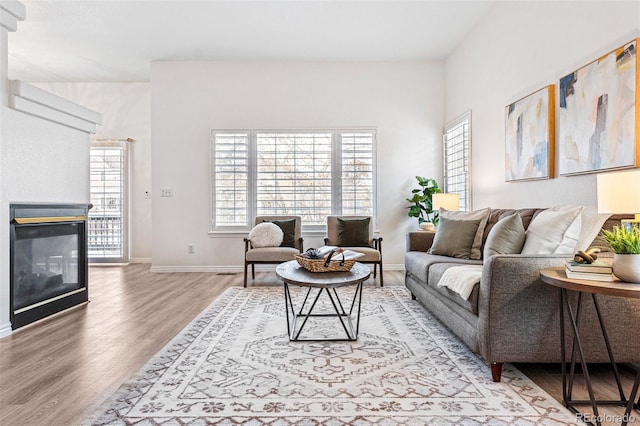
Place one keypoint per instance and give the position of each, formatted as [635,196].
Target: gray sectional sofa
[512,316]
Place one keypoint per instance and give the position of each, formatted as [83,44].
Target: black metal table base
[567,379]
[295,326]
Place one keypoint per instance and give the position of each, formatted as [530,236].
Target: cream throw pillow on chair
[266,234]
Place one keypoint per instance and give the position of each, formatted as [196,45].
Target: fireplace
[49,263]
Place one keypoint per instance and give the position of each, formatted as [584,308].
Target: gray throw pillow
[454,238]
[353,232]
[506,237]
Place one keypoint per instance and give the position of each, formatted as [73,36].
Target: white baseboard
[238,269]
[5,330]
[140,260]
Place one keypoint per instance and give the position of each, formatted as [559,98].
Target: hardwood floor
[58,370]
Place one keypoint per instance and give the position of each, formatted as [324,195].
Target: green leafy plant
[421,200]
[623,240]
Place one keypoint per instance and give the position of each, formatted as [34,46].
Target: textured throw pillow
[289,229]
[454,238]
[266,234]
[592,223]
[353,232]
[554,231]
[481,215]
[506,237]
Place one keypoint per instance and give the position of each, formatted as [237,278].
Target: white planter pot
[627,267]
[427,226]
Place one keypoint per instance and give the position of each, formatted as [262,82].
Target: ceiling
[116,40]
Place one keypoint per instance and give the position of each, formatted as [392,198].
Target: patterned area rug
[235,365]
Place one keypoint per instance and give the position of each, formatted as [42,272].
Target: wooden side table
[557,277]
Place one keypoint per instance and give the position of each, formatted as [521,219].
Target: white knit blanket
[461,279]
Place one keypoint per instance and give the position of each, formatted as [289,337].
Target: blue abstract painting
[529,135]
[598,107]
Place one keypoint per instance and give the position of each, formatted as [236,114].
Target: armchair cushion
[289,230]
[271,254]
[353,232]
[266,234]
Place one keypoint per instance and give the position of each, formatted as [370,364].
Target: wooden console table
[557,277]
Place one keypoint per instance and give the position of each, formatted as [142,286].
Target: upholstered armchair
[292,244]
[356,233]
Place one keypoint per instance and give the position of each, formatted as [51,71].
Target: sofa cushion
[417,263]
[506,237]
[435,273]
[554,231]
[481,215]
[455,237]
[498,214]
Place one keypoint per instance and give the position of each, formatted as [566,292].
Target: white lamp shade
[445,201]
[619,192]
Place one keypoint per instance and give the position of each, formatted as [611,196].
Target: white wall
[5,325]
[517,49]
[125,109]
[404,100]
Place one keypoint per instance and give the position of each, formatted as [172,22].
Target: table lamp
[619,193]
[445,201]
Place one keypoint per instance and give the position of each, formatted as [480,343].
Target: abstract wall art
[529,136]
[598,115]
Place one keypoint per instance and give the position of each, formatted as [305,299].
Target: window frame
[336,187]
[466,195]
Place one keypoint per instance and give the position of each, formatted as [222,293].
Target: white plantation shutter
[457,159]
[231,178]
[312,174]
[293,175]
[357,182]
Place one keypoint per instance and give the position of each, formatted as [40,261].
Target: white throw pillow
[592,223]
[481,215]
[266,234]
[554,231]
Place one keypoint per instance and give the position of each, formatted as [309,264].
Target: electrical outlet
[191,249]
[166,192]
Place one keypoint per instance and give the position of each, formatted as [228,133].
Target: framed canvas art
[599,114]
[529,136]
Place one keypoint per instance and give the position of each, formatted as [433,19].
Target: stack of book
[596,271]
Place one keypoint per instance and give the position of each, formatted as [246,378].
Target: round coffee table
[291,273]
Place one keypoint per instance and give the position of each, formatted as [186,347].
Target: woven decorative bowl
[325,265]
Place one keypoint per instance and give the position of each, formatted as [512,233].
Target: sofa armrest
[420,240]
[518,313]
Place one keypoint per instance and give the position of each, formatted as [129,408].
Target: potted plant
[625,243]
[422,203]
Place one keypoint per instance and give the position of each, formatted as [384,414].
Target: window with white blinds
[231,177]
[457,159]
[357,163]
[308,173]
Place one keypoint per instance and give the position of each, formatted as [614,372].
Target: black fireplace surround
[48,258]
